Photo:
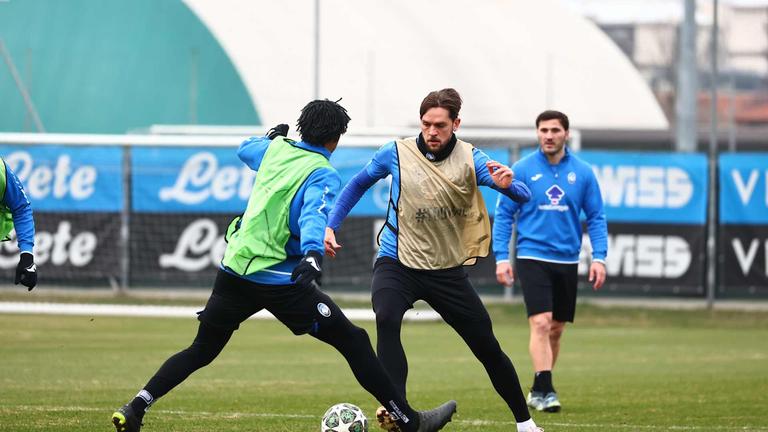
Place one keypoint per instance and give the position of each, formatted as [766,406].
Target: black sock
[353,343]
[542,382]
[141,403]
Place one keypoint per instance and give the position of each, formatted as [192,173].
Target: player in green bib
[273,261]
[16,212]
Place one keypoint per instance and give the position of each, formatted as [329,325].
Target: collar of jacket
[543,157]
[440,155]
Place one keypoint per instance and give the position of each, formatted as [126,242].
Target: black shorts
[448,291]
[548,287]
[235,299]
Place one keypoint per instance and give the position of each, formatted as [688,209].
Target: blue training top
[16,200]
[308,212]
[549,225]
[384,163]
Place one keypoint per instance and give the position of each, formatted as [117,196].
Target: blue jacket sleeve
[377,168]
[517,191]
[252,151]
[597,227]
[503,221]
[16,200]
[322,187]
[351,194]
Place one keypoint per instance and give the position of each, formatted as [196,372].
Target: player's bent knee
[389,320]
[342,333]
[541,323]
[486,348]
[359,335]
[204,352]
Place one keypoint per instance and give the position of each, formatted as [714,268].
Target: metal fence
[133,211]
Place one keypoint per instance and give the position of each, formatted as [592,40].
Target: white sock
[526,425]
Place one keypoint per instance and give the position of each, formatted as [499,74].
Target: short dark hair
[553,115]
[447,98]
[322,121]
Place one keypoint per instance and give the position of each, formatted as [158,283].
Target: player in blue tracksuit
[16,212]
[436,224]
[273,261]
[548,244]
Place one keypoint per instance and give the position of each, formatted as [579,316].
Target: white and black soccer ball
[344,417]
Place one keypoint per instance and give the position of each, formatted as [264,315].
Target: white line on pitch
[173,311]
[468,422]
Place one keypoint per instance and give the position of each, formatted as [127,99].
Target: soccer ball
[344,417]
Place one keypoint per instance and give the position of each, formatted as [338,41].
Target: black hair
[322,121]
[553,115]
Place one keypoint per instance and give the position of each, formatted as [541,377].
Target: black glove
[279,130]
[308,270]
[26,271]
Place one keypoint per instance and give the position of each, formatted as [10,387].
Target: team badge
[324,309]
[571,177]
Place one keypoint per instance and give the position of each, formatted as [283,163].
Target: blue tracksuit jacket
[549,225]
[16,200]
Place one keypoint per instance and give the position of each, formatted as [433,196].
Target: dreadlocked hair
[322,121]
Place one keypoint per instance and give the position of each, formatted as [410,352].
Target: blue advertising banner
[651,187]
[185,180]
[214,180]
[59,178]
[744,188]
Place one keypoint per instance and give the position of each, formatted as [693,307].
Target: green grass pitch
[620,370]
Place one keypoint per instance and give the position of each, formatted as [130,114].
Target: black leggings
[449,292]
[351,341]
[208,343]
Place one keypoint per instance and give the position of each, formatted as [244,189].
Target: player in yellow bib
[437,222]
[274,260]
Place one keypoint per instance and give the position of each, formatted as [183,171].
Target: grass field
[620,369]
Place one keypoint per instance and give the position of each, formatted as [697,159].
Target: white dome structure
[509,59]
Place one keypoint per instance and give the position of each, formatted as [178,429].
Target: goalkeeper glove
[308,270]
[279,130]
[26,271]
